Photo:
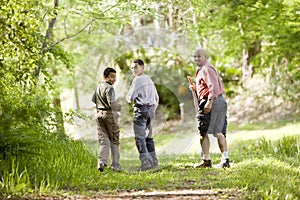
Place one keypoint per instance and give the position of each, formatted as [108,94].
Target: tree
[25,108]
[262,34]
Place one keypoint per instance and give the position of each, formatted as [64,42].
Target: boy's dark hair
[139,62]
[107,71]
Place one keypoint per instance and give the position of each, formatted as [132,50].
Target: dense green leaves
[25,108]
[20,41]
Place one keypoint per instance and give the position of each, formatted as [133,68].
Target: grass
[263,168]
[263,125]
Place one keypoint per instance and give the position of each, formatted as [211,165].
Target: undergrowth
[263,169]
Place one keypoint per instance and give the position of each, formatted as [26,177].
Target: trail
[157,195]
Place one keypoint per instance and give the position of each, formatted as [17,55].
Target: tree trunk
[247,67]
[56,101]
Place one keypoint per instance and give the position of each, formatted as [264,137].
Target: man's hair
[202,51]
[107,71]
[139,62]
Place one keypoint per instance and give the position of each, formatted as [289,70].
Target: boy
[107,120]
[145,98]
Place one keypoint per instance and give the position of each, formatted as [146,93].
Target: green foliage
[265,160]
[256,173]
[267,31]
[15,180]
[24,119]
[287,146]
[20,49]
[26,111]
[57,164]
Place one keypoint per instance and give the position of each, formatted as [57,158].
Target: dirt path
[156,195]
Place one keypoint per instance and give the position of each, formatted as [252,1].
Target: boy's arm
[113,103]
[94,97]
[115,106]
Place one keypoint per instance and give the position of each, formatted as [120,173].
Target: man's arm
[130,95]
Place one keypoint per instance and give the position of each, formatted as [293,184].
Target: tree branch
[48,37]
[84,27]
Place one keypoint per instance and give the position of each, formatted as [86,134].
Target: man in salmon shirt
[212,111]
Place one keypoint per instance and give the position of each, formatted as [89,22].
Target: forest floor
[158,195]
[186,140]
[234,138]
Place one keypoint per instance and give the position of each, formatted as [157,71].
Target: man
[211,115]
[144,95]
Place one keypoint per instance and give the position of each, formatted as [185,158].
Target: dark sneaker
[223,164]
[117,168]
[101,166]
[203,164]
[146,165]
[154,164]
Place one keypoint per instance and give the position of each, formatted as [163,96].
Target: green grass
[262,125]
[262,168]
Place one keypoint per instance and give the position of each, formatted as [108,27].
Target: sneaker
[146,165]
[203,164]
[117,169]
[154,164]
[223,164]
[101,166]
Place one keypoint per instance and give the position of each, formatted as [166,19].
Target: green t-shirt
[104,95]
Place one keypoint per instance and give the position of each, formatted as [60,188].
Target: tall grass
[58,165]
[260,169]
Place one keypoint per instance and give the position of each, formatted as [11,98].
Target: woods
[50,47]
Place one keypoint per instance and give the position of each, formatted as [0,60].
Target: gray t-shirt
[104,95]
[142,91]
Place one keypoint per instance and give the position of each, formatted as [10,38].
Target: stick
[195,98]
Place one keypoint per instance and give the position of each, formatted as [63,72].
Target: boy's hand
[115,106]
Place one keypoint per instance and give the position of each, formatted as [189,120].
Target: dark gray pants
[142,126]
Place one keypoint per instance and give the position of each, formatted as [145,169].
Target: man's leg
[222,142]
[205,157]
[220,126]
[139,127]
[223,148]
[151,148]
[205,144]
[203,122]
[149,140]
